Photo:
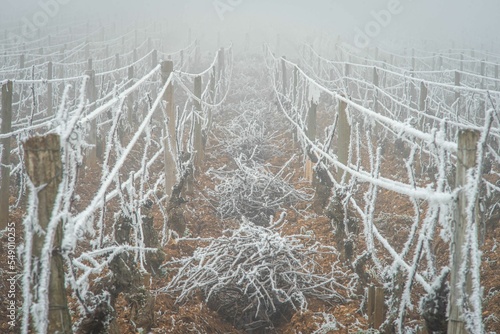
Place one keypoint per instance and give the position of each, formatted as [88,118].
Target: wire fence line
[379,114]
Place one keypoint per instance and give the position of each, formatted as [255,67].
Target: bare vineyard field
[149,189]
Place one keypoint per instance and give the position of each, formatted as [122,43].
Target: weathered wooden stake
[423,97]
[212,88]
[284,78]
[5,162]
[346,75]
[198,145]
[44,167]
[154,63]
[221,63]
[130,99]
[167,67]
[375,307]
[466,159]
[311,121]
[379,311]
[370,305]
[91,160]
[295,84]
[87,50]
[413,91]
[154,59]
[422,103]
[295,103]
[311,134]
[197,54]
[344,139]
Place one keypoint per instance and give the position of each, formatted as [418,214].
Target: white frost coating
[120,96]
[396,186]
[29,222]
[404,121]
[80,219]
[397,126]
[314,93]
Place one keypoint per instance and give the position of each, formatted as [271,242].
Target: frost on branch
[250,134]
[254,276]
[253,192]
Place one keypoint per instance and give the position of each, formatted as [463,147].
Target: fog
[447,23]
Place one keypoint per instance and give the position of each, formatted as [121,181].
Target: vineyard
[146,189]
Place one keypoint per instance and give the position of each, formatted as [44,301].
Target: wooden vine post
[167,67]
[295,103]
[221,62]
[284,78]
[44,167]
[5,162]
[346,75]
[154,63]
[413,91]
[91,96]
[311,134]
[375,307]
[375,91]
[344,139]
[154,59]
[198,144]
[466,159]
[197,54]
[422,103]
[423,97]
[87,50]
[131,97]
[212,95]
[197,138]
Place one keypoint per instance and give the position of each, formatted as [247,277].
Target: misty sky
[468,22]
